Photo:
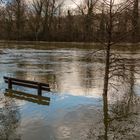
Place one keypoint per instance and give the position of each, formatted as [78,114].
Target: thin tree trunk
[105,91]
[105,110]
[106,77]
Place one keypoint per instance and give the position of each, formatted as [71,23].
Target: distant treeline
[51,20]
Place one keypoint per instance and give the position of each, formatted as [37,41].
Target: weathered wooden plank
[28,85]
[39,89]
[9,83]
[25,81]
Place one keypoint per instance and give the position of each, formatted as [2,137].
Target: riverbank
[82,45]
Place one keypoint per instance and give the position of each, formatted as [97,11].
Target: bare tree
[135,21]
[17,8]
[87,9]
[114,66]
[36,17]
[41,20]
[48,11]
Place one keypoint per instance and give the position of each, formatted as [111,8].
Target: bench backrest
[26,83]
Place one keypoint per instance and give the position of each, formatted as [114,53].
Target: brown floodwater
[77,110]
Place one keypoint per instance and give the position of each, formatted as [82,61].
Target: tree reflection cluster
[9,119]
[120,118]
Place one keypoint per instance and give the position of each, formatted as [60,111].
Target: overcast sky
[69,3]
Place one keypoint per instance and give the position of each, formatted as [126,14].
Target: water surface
[76,107]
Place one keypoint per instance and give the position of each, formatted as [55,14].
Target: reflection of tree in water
[120,119]
[9,119]
[91,73]
[125,112]
[87,81]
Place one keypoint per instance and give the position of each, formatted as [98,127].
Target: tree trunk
[106,77]
[105,110]
[135,24]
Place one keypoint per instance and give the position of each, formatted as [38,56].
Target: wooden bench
[25,83]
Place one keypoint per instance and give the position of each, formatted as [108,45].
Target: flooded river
[76,110]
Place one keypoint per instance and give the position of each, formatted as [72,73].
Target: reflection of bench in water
[30,84]
[28,97]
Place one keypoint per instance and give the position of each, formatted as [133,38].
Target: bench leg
[39,90]
[9,83]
